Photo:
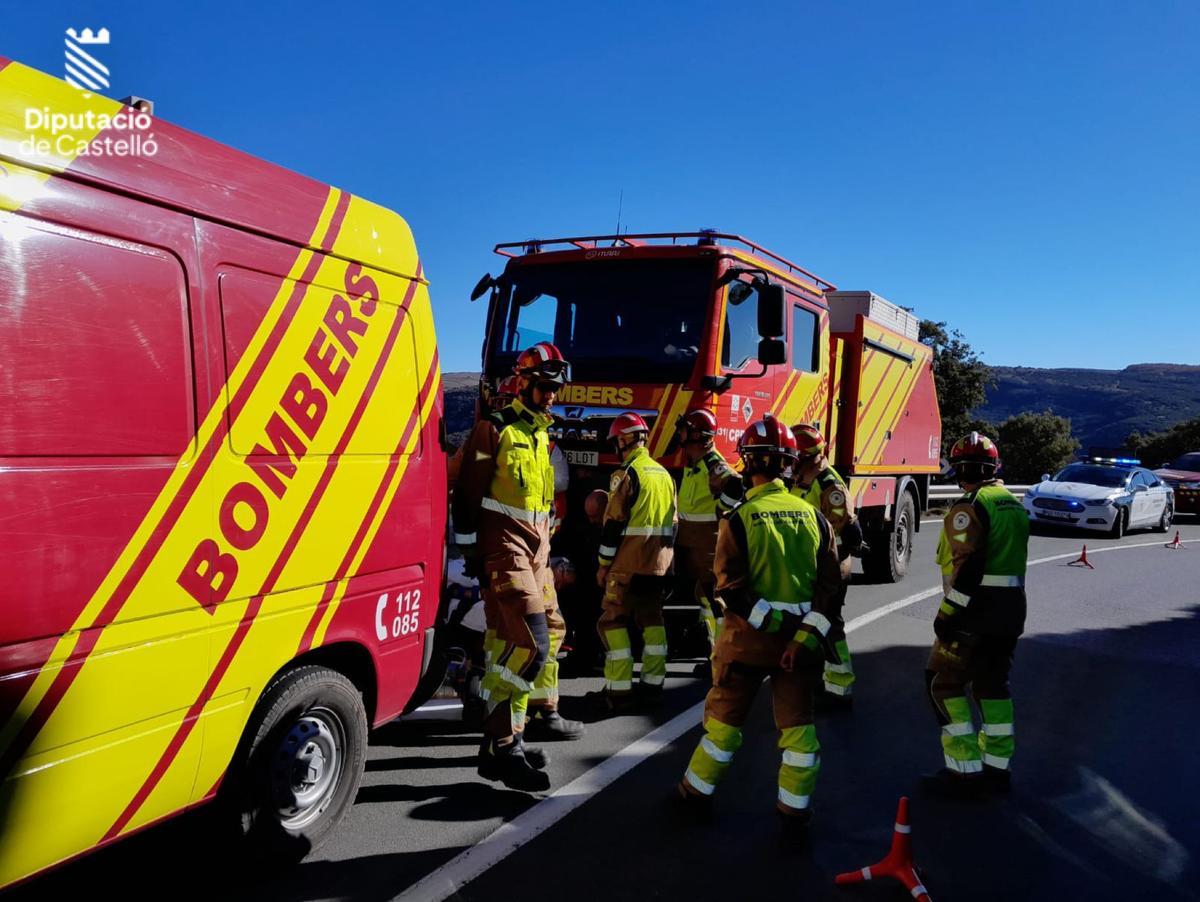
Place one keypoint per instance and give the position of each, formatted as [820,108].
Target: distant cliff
[1104,406]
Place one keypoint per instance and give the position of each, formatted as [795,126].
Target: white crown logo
[87,37]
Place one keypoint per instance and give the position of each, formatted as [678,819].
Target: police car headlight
[1099,502]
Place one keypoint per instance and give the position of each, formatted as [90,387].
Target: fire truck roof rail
[590,242]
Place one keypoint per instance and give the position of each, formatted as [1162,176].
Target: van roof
[187,171]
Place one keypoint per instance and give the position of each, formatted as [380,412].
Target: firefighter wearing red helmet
[817,482]
[983,552]
[635,558]
[702,501]
[502,509]
[778,576]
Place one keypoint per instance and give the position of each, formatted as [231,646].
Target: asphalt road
[1104,804]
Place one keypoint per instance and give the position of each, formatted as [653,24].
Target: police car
[1103,494]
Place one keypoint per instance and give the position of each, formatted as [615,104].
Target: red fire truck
[222,489]
[664,323]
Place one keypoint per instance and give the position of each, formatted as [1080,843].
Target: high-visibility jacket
[776,565]
[987,532]
[701,501]
[505,489]
[828,494]
[639,522]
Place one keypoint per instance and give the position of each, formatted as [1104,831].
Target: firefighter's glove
[852,539]
[798,654]
[952,628]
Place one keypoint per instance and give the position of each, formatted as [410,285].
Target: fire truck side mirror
[482,286]
[772,351]
[771,301]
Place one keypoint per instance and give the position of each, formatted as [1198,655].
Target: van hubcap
[307,767]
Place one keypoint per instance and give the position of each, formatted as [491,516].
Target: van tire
[309,717]
[891,549]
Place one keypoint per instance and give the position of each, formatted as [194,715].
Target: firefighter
[635,560]
[983,549]
[818,483]
[502,504]
[779,579]
[701,502]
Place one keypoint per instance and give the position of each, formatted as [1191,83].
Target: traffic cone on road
[1176,545]
[1082,561]
[898,864]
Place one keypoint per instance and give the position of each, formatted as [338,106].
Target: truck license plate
[582,458]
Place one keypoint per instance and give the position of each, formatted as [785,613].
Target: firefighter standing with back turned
[819,484]
[778,576]
[983,553]
[636,554]
[502,508]
[702,499]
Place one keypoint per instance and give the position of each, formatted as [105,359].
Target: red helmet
[767,436]
[545,363]
[628,423]
[976,449]
[509,387]
[809,441]
[700,423]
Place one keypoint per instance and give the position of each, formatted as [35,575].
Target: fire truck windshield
[633,320]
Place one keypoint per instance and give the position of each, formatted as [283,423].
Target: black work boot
[703,670]
[997,779]
[649,696]
[536,757]
[508,765]
[689,805]
[827,702]
[794,827]
[550,726]
[601,704]
[949,784]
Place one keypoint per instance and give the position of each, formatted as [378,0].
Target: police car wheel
[1120,523]
[1164,522]
[304,758]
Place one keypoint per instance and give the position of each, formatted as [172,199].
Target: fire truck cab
[664,323]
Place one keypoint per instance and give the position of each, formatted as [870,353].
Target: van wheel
[307,750]
[891,550]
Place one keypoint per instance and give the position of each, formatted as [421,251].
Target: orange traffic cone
[898,865]
[1082,561]
[1176,545]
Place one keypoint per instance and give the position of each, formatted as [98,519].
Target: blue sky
[1028,172]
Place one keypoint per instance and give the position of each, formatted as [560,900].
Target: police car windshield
[615,320]
[1188,462]
[1094,475]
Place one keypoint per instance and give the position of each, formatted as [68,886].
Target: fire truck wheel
[891,549]
[307,750]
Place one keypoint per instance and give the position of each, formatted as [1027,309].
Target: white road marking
[444,882]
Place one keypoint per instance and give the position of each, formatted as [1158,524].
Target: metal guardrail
[950,492]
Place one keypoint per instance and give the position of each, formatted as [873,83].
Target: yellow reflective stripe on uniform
[1008,582]
[649,530]
[608,551]
[517,513]
[958,728]
[792,800]
[959,598]
[697,784]
[763,607]
[998,729]
[972,766]
[465,538]
[618,654]
[654,650]
[698,518]
[817,621]
[717,754]
[996,761]
[800,759]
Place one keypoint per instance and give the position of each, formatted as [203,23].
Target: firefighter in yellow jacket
[818,483]
[502,509]
[636,554]
[778,576]
[703,497]
[983,555]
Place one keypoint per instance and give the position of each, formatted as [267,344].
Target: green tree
[1161,447]
[962,379]
[1034,443]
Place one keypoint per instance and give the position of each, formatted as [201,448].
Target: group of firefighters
[768,551]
